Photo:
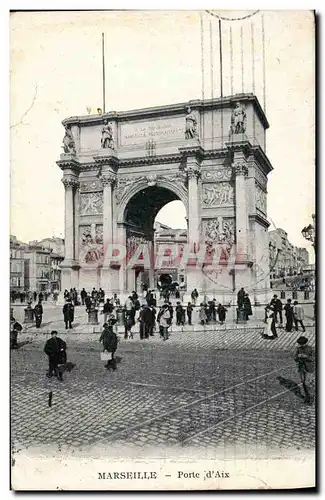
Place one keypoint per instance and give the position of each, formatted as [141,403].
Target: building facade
[285,258]
[17,265]
[169,244]
[120,168]
[36,266]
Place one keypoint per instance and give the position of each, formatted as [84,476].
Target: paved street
[218,390]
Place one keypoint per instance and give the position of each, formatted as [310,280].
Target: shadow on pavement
[292,386]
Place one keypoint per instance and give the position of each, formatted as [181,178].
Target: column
[76,225]
[108,180]
[241,171]
[194,271]
[193,173]
[70,183]
[121,240]
[152,264]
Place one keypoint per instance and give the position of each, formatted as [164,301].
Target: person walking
[152,320]
[88,302]
[189,310]
[68,314]
[304,357]
[38,313]
[288,311]
[143,322]
[83,295]
[247,306]
[221,311]
[202,314]
[107,309]
[110,341]
[298,316]
[270,328]
[128,324]
[194,296]
[165,321]
[277,306]
[179,314]
[35,296]
[40,297]
[240,298]
[15,328]
[53,349]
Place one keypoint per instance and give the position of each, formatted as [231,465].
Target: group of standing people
[294,314]
[244,305]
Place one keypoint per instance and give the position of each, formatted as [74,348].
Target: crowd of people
[29,296]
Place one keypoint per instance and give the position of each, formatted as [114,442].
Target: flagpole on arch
[103,65]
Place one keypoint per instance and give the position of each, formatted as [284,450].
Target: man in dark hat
[15,328]
[288,311]
[277,306]
[68,314]
[38,312]
[55,349]
[304,357]
[110,341]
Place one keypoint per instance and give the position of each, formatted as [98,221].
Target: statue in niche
[107,140]
[191,125]
[69,146]
[238,119]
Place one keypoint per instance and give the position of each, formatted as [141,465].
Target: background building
[35,266]
[285,258]
[174,239]
[17,265]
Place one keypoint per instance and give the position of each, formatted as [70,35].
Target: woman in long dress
[270,329]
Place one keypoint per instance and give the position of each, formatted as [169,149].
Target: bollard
[283,294]
[120,317]
[93,317]
[241,316]
[29,314]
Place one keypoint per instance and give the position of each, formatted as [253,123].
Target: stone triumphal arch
[121,168]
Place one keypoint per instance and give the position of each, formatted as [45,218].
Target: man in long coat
[110,341]
[55,350]
[38,312]
[68,314]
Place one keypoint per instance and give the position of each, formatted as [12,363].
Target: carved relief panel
[221,174]
[90,186]
[218,194]
[91,244]
[91,203]
[219,236]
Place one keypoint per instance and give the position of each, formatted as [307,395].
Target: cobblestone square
[196,390]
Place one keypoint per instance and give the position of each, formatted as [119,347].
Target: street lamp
[309,232]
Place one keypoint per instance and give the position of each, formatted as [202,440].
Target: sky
[154,58]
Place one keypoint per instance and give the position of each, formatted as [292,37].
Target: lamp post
[309,233]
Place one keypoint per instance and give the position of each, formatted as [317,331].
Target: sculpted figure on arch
[238,119]
[191,125]
[107,140]
[68,141]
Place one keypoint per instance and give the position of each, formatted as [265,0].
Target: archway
[140,219]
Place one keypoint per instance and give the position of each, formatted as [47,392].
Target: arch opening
[142,219]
